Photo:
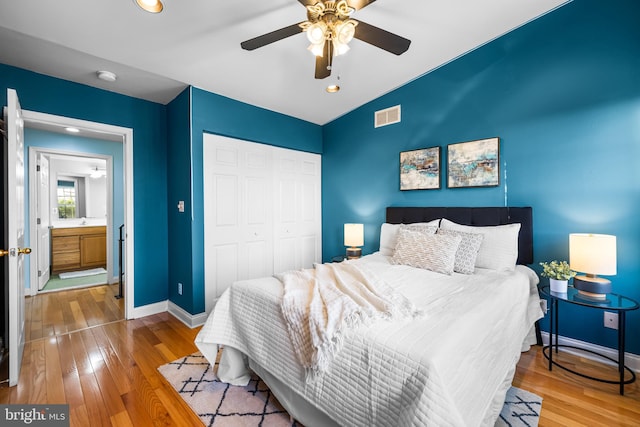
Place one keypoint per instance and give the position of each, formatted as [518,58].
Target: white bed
[450,366]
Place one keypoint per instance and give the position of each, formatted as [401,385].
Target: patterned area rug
[219,404]
[521,409]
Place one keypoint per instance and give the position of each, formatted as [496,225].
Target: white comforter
[445,368]
[320,304]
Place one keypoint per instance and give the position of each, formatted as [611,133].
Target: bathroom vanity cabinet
[78,248]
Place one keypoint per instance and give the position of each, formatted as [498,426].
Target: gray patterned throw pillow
[467,251]
[435,252]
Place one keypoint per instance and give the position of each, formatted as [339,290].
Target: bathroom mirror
[71,197]
[78,188]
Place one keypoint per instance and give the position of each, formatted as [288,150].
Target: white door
[42,208]
[297,210]
[238,229]
[14,217]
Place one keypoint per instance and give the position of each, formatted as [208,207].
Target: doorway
[58,124]
[71,201]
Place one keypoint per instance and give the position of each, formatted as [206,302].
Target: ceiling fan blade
[323,63]
[381,38]
[356,4]
[359,4]
[271,37]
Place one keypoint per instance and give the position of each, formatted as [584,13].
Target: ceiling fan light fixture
[317,49]
[316,32]
[329,22]
[345,30]
[339,48]
[151,6]
[330,29]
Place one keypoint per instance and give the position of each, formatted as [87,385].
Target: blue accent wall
[179,188]
[56,141]
[563,95]
[216,114]
[148,120]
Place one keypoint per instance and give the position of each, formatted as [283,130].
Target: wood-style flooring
[105,368]
[570,400]
[55,313]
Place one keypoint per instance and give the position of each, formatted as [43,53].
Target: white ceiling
[197,42]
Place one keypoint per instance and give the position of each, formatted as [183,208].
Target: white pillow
[389,233]
[467,252]
[499,248]
[435,252]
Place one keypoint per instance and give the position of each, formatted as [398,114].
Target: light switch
[181,206]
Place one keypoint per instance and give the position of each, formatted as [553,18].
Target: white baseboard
[149,309]
[191,320]
[632,361]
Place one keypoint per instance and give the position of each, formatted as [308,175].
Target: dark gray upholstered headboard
[474,216]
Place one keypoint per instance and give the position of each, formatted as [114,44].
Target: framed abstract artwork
[474,163]
[420,169]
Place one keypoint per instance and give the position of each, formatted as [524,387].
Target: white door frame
[32,118]
[34,182]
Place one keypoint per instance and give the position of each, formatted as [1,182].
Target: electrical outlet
[179,288]
[610,320]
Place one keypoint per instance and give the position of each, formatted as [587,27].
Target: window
[66,199]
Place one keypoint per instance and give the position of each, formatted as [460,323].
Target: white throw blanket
[318,304]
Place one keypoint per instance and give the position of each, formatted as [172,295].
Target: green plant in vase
[559,273]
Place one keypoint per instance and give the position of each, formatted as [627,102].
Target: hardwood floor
[55,313]
[570,400]
[80,352]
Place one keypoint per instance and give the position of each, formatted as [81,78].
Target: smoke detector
[107,76]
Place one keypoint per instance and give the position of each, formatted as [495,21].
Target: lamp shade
[592,253]
[353,234]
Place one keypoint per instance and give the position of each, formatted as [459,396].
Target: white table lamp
[353,238]
[592,254]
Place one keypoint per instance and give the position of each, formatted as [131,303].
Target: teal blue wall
[216,114]
[563,94]
[71,143]
[179,188]
[148,121]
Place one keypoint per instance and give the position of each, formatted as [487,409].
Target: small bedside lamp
[592,254]
[354,237]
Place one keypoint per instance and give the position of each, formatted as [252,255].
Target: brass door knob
[13,252]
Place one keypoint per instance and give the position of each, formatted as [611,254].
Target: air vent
[387,116]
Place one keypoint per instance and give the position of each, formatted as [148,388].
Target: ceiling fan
[329,28]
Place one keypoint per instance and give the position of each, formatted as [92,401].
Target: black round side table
[612,302]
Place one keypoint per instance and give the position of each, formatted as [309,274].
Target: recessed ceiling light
[72,130]
[333,88]
[151,6]
[107,76]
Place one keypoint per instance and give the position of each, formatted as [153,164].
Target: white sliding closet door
[262,211]
[298,224]
[237,211]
